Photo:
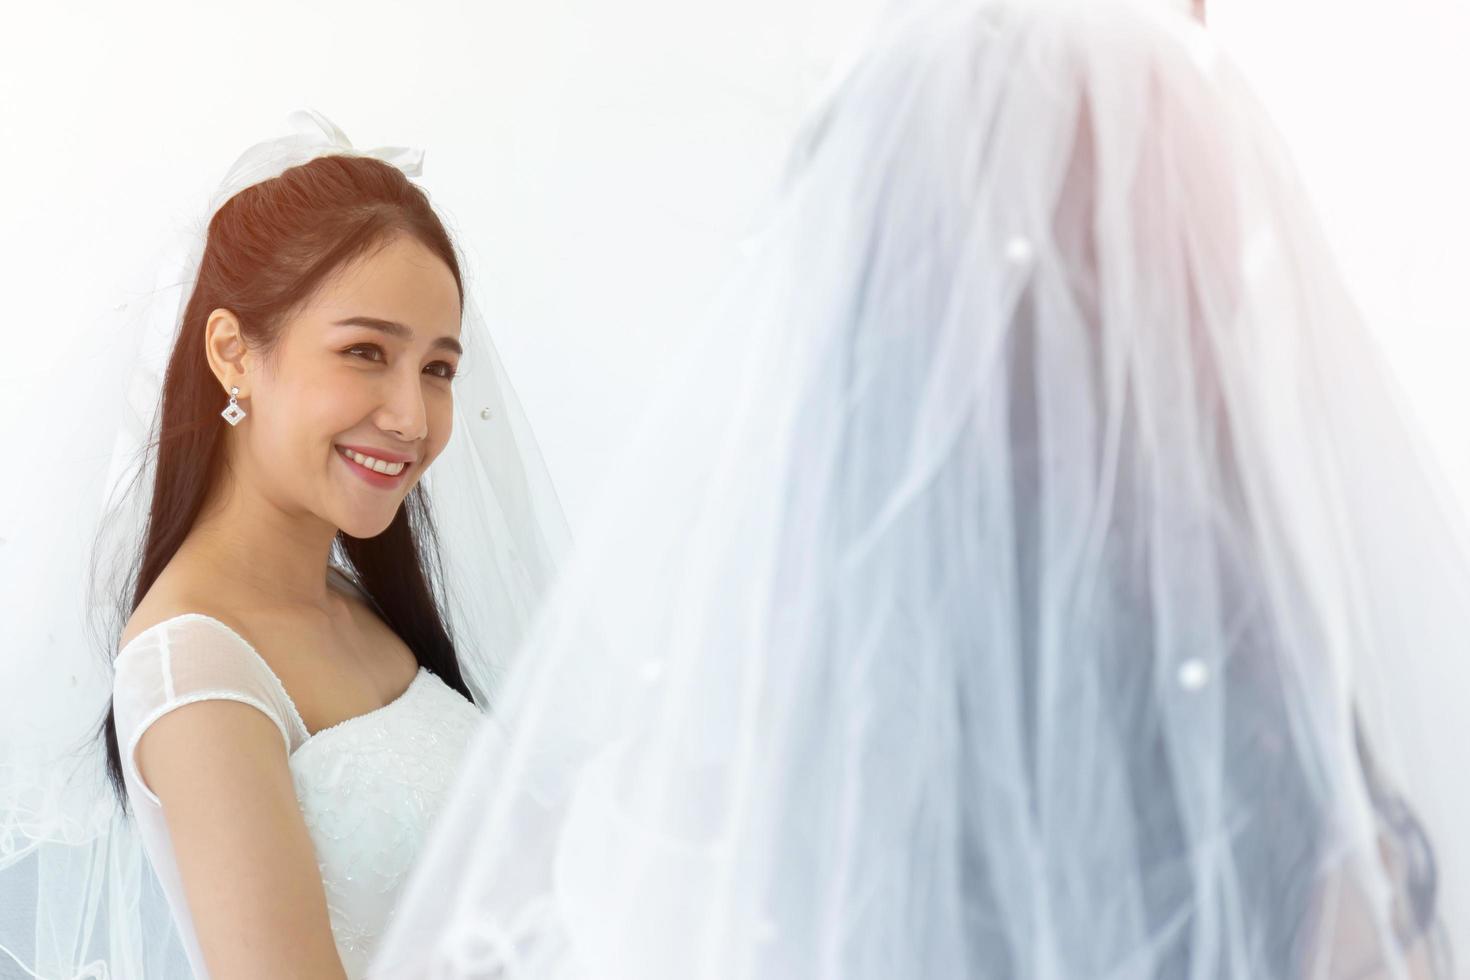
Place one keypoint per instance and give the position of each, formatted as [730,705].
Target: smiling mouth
[371,465]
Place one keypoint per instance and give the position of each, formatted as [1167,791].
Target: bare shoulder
[185,586]
[179,747]
[333,665]
[176,592]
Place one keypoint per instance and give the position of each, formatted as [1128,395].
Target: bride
[308,624]
[1026,574]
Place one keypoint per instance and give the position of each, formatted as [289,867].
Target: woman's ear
[224,346]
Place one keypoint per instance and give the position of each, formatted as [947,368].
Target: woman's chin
[364,525]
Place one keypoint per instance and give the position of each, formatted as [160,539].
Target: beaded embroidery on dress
[369,787]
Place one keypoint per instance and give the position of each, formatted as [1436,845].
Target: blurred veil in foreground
[1026,573]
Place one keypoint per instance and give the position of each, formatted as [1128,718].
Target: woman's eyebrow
[399,330]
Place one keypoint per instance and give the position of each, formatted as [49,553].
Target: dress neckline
[306,736]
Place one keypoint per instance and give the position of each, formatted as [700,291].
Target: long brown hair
[267,250]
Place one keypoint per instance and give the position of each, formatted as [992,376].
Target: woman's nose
[403,412]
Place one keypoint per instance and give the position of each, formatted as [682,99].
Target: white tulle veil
[1025,573]
[77,895]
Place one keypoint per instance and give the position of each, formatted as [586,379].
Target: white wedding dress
[369,787]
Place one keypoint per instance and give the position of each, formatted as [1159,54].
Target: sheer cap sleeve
[185,659]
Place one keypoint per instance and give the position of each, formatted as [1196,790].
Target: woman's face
[364,369]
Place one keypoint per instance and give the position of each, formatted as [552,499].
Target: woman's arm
[247,863]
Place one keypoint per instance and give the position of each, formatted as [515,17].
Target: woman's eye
[358,347]
[440,369]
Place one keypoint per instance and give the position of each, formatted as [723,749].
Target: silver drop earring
[233,413]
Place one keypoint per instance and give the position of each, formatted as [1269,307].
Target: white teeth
[372,463]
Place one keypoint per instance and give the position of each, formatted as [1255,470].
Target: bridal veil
[1026,572]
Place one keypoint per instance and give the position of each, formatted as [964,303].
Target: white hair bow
[315,135]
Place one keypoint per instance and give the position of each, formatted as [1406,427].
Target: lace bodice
[369,787]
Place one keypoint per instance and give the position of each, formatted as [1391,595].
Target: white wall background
[1374,100]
